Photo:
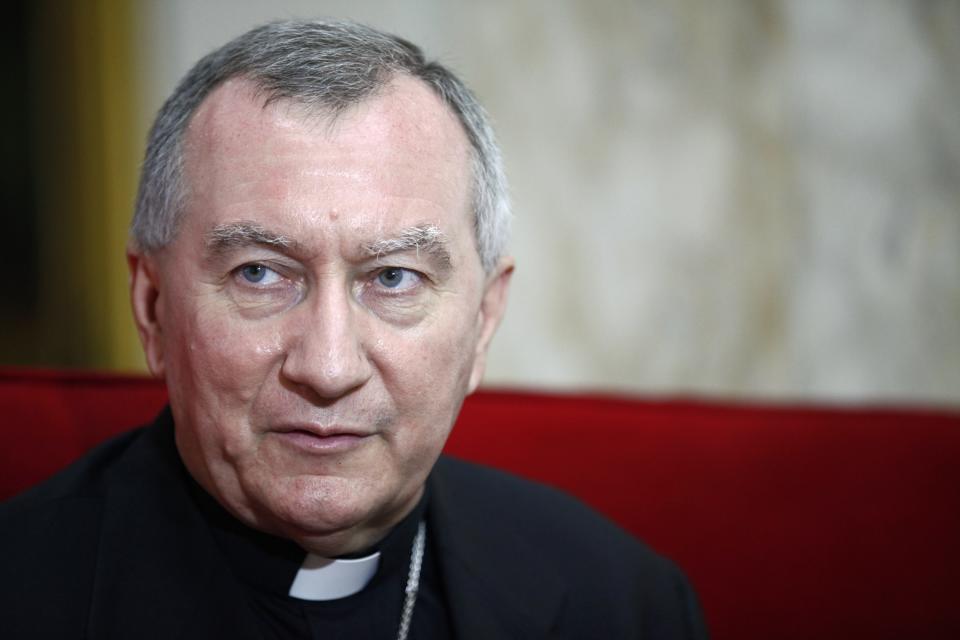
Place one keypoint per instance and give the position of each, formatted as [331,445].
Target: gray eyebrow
[426,238]
[231,235]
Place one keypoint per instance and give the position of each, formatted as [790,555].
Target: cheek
[434,356]
[222,362]
[426,372]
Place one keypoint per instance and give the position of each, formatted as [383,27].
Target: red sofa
[792,522]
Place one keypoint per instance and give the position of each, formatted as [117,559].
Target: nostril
[326,368]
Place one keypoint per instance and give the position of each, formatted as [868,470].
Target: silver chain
[413,581]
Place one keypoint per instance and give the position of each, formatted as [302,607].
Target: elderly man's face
[322,311]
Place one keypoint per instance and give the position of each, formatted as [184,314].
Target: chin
[313,506]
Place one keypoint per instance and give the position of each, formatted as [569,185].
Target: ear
[145,300]
[492,307]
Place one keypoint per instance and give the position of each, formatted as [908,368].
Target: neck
[352,538]
[357,540]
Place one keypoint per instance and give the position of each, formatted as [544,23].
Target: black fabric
[266,566]
[114,547]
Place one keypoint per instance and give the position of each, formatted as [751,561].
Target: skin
[313,375]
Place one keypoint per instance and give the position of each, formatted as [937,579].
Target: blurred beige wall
[751,199]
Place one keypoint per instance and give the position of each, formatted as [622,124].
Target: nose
[326,353]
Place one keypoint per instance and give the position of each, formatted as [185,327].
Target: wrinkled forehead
[403,116]
[401,145]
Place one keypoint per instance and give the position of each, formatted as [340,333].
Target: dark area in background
[18,171]
[51,308]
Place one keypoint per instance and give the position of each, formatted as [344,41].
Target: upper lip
[322,431]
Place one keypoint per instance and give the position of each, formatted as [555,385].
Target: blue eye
[254,272]
[257,274]
[397,278]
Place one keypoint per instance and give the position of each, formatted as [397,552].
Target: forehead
[399,154]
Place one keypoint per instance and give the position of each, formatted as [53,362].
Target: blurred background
[754,199]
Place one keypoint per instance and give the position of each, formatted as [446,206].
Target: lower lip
[321,444]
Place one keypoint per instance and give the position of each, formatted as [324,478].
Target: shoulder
[606,568]
[83,480]
[538,511]
[71,501]
[49,539]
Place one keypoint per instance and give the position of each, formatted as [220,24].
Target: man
[317,268]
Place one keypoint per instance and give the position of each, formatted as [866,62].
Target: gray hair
[331,65]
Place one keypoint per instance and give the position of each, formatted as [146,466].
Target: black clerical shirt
[505,559]
[265,567]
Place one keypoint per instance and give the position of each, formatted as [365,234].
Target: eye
[258,274]
[397,278]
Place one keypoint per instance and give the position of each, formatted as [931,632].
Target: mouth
[315,439]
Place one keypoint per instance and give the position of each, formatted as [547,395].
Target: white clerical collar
[322,578]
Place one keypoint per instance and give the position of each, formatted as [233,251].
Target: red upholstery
[793,523]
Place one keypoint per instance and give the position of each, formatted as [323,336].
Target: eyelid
[419,275]
[281,273]
[269,274]
[380,267]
